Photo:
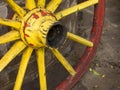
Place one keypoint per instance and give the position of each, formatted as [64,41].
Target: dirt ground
[106,62]
[107,59]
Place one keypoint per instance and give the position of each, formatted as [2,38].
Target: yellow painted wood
[79,39]
[10,36]
[37,30]
[30,4]
[22,69]
[21,12]
[64,62]
[11,54]
[41,68]
[53,5]
[76,8]
[11,23]
[41,3]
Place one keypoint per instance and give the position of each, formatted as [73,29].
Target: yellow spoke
[76,8]
[10,36]
[41,68]
[11,54]
[21,12]
[11,23]
[30,4]
[41,3]
[22,69]
[79,39]
[53,5]
[64,62]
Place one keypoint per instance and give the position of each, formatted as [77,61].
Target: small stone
[113,38]
[90,69]
[96,86]
[97,65]
[111,67]
[103,76]
[103,32]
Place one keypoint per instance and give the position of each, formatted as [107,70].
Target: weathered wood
[8,76]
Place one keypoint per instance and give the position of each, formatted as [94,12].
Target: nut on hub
[41,29]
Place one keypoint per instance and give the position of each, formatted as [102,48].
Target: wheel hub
[40,29]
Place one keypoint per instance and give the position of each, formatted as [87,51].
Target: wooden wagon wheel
[37,26]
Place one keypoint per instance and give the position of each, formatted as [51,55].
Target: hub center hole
[56,35]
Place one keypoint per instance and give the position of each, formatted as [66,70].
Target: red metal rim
[89,53]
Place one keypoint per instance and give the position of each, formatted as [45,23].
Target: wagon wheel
[37,27]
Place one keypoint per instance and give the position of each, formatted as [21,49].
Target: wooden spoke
[64,62]
[30,4]
[41,3]
[74,9]
[53,5]
[22,69]
[10,36]
[11,54]
[79,39]
[41,68]
[21,12]
[11,23]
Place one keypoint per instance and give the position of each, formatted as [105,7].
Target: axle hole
[56,35]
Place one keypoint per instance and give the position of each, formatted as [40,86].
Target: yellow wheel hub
[35,27]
